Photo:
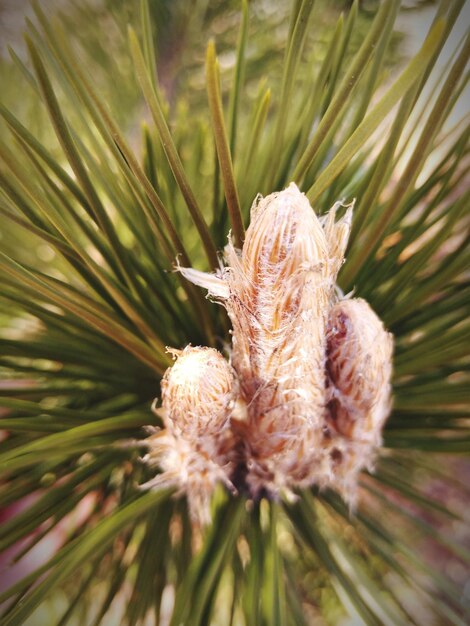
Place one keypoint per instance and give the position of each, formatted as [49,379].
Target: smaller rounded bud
[197,392]
[359,367]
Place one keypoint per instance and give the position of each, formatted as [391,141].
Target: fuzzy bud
[197,392]
[359,367]
[195,449]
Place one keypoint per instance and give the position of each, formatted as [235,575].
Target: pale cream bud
[197,392]
[195,450]
[359,367]
[281,287]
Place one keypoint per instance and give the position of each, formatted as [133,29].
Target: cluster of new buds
[305,396]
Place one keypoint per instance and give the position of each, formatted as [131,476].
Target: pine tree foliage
[85,330]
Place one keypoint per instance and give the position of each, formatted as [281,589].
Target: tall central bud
[280,292]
